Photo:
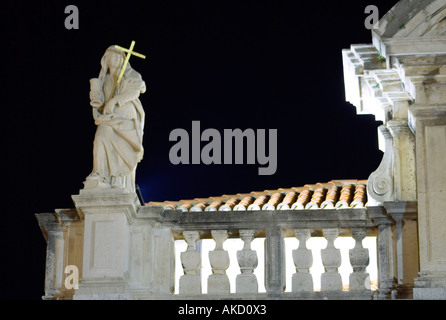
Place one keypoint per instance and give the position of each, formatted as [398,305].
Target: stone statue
[119,116]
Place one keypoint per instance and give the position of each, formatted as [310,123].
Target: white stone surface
[302,280]
[246,281]
[359,259]
[218,281]
[431,180]
[190,282]
[408,90]
[119,116]
[331,258]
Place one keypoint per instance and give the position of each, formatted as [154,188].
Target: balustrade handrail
[232,221]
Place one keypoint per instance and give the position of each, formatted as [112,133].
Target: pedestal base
[359,281]
[103,290]
[430,287]
[331,282]
[218,284]
[190,284]
[302,282]
[429,293]
[246,283]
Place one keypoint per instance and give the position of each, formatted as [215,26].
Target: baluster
[331,259]
[246,282]
[218,281]
[302,280]
[359,259]
[190,282]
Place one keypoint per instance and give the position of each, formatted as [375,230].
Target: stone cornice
[109,202]
[369,85]
[435,113]
[409,46]
[66,216]
[48,223]
[380,91]
[402,209]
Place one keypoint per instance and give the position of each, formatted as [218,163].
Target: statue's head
[112,59]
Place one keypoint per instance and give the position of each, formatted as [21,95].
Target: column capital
[48,224]
[397,127]
[399,210]
[422,114]
[378,215]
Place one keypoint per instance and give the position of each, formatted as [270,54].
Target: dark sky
[228,64]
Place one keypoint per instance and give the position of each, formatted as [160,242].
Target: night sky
[242,64]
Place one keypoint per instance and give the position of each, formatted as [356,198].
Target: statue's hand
[95,95]
[110,106]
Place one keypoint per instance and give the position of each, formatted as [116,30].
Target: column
[274,260]
[429,121]
[404,213]
[54,255]
[404,177]
[386,252]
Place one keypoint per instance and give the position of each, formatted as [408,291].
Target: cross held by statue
[127,58]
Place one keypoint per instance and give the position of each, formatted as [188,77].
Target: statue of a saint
[119,116]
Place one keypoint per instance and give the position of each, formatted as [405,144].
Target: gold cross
[127,58]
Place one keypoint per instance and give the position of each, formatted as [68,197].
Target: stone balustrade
[144,237]
[274,226]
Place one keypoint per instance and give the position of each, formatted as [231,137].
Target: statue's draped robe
[117,146]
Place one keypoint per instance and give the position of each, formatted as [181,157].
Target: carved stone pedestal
[106,241]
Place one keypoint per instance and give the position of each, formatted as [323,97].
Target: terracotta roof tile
[214,206]
[230,204]
[302,199]
[258,203]
[331,198]
[273,201]
[316,199]
[330,195]
[345,197]
[288,201]
[244,203]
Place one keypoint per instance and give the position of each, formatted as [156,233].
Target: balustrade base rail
[343,295]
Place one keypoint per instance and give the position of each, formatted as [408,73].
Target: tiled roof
[330,195]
